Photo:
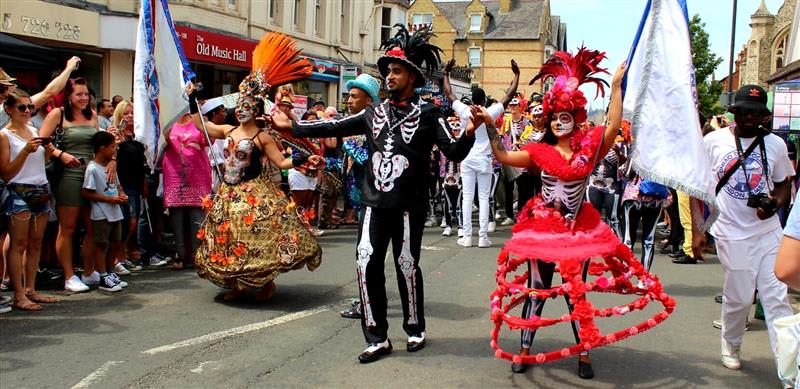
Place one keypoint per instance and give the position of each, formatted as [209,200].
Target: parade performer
[401,131]
[252,232]
[558,228]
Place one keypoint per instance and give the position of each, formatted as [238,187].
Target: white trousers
[470,176]
[749,264]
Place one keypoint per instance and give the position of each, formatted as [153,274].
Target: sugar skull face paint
[564,124]
[537,135]
[244,110]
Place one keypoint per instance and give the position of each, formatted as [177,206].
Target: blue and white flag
[660,100]
[160,74]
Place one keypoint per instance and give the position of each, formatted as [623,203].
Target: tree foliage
[705,63]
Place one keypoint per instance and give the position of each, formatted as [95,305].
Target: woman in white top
[26,202]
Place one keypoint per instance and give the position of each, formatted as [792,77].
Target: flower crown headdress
[571,72]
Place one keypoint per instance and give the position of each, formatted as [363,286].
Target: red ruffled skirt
[542,233]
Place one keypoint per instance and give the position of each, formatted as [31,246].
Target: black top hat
[750,97]
[411,50]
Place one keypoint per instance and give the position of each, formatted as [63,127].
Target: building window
[231,3]
[474,56]
[319,18]
[386,24]
[345,11]
[274,12]
[299,15]
[475,23]
[418,19]
[780,51]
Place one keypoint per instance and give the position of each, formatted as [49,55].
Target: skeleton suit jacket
[399,143]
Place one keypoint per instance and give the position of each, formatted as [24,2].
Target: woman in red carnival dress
[558,232]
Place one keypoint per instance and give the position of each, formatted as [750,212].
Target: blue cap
[367,83]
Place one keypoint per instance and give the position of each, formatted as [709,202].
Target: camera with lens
[762,201]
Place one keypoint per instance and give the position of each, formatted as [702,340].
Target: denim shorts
[134,206]
[16,202]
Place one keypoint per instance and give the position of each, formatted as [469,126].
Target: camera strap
[759,141]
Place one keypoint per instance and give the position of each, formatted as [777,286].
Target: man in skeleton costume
[401,131]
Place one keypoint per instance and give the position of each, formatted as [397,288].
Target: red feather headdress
[570,72]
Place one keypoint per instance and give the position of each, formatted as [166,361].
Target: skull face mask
[565,123]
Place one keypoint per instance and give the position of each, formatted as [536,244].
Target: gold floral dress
[252,232]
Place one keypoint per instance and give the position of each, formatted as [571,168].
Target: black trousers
[528,185]
[648,213]
[452,205]
[540,276]
[602,200]
[379,227]
[676,230]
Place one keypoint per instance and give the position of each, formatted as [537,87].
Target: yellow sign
[50,21]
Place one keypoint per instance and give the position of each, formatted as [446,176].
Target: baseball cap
[537,110]
[5,79]
[750,97]
[514,101]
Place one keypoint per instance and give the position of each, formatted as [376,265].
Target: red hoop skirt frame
[542,233]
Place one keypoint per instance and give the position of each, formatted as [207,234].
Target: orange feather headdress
[276,61]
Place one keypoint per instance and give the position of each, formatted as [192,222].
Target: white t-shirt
[96,180]
[736,220]
[480,156]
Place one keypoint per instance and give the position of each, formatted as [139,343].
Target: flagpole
[210,143]
[733,47]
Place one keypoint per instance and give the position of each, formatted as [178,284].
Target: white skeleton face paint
[244,110]
[564,124]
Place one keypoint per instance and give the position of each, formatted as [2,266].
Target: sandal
[30,306]
[177,265]
[266,292]
[40,298]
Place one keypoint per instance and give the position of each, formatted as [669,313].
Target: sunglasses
[752,111]
[23,107]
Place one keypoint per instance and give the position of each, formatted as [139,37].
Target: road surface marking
[433,248]
[96,375]
[240,330]
[212,365]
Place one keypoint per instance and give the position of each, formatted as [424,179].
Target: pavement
[172,329]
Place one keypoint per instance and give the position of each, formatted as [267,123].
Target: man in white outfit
[754,173]
[476,168]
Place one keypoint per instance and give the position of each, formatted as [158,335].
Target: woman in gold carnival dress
[252,232]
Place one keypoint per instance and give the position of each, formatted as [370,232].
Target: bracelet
[59,154]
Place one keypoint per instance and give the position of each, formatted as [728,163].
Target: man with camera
[754,174]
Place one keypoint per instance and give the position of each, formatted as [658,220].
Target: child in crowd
[106,211]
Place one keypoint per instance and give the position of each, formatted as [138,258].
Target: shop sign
[216,48]
[786,110]
[50,21]
[324,70]
[300,105]
[349,73]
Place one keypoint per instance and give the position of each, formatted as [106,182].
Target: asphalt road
[171,329]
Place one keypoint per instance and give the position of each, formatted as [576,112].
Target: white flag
[660,100]
[160,74]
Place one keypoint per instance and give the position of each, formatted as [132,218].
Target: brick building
[486,35]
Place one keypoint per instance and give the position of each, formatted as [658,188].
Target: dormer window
[475,23]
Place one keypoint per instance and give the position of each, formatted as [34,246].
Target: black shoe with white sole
[375,351]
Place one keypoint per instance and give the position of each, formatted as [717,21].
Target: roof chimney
[505,6]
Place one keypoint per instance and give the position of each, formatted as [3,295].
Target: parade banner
[660,100]
[160,74]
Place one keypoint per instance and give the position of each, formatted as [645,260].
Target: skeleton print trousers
[379,227]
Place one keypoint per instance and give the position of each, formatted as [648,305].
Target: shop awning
[19,54]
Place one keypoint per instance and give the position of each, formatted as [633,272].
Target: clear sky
[610,25]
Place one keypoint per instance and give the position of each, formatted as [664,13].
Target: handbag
[653,189]
[55,168]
